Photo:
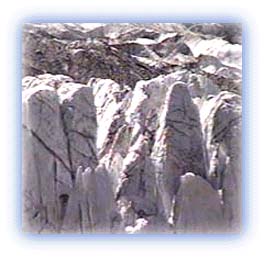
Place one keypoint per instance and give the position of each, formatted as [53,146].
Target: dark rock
[79,58]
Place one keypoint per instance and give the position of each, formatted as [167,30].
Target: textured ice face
[131,128]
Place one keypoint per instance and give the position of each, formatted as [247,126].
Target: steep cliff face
[149,142]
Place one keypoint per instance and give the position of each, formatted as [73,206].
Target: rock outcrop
[132,128]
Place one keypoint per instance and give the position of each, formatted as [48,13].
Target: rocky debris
[227,54]
[127,53]
[63,31]
[230,32]
[45,51]
[128,32]
[131,128]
